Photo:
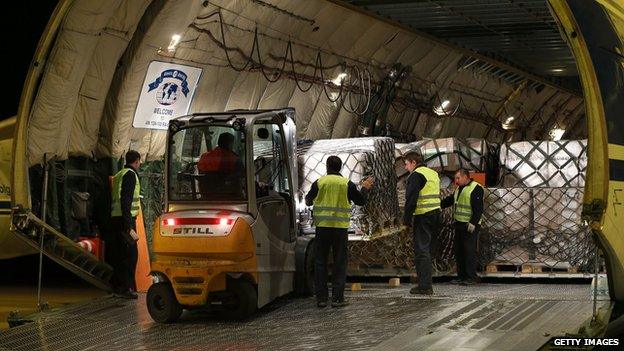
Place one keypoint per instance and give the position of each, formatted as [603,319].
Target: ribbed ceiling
[522,32]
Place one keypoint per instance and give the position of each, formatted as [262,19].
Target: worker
[467,202]
[125,207]
[222,158]
[220,169]
[422,213]
[331,196]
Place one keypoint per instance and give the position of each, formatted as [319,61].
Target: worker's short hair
[463,172]
[334,164]
[132,156]
[413,156]
[225,139]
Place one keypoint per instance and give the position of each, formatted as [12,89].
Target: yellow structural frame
[602,196]
[20,192]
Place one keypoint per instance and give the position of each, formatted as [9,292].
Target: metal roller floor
[483,317]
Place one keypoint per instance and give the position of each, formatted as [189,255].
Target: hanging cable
[281,70]
[359,83]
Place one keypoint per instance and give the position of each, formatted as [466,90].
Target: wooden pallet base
[528,268]
[493,269]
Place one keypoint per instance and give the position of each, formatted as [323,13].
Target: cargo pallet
[378,270]
[496,267]
[494,270]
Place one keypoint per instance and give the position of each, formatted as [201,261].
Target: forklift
[228,238]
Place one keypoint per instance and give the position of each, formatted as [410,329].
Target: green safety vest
[332,208]
[463,211]
[429,196]
[116,199]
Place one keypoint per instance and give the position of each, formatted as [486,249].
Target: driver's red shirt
[218,160]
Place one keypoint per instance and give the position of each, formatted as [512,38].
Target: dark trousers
[336,240]
[426,231]
[122,257]
[466,251]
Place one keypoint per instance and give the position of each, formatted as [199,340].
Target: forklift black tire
[162,304]
[245,301]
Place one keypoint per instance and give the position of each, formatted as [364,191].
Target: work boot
[419,291]
[456,281]
[128,294]
[321,304]
[342,303]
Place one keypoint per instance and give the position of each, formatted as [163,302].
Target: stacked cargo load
[535,228]
[544,163]
[533,220]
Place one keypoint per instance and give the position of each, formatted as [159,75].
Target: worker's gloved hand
[471,228]
[134,235]
[368,182]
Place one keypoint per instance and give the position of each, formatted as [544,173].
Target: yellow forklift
[228,238]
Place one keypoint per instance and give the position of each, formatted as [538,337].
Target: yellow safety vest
[116,198]
[463,210]
[429,196]
[332,208]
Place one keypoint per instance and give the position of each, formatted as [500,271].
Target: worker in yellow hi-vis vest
[125,206]
[467,202]
[331,196]
[422,213]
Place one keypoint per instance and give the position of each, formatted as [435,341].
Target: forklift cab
[227,238]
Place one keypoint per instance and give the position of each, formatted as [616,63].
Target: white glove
[134,235]
[471,228]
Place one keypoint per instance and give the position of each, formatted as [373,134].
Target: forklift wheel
[243,302]
[162,303]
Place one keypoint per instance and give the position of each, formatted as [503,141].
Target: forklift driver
[221,168]
[221,158]
[331,196]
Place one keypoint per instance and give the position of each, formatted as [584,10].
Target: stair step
[62,250]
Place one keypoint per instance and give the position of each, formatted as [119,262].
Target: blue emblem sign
[170,87]
[167,93]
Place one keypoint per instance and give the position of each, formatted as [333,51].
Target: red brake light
[197,221]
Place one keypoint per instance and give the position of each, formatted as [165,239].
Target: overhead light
[557,70]
[339,78]
[508,124]
[556,134]
[443,109]
[175,40]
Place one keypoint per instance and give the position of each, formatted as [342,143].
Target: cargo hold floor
[487,316]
